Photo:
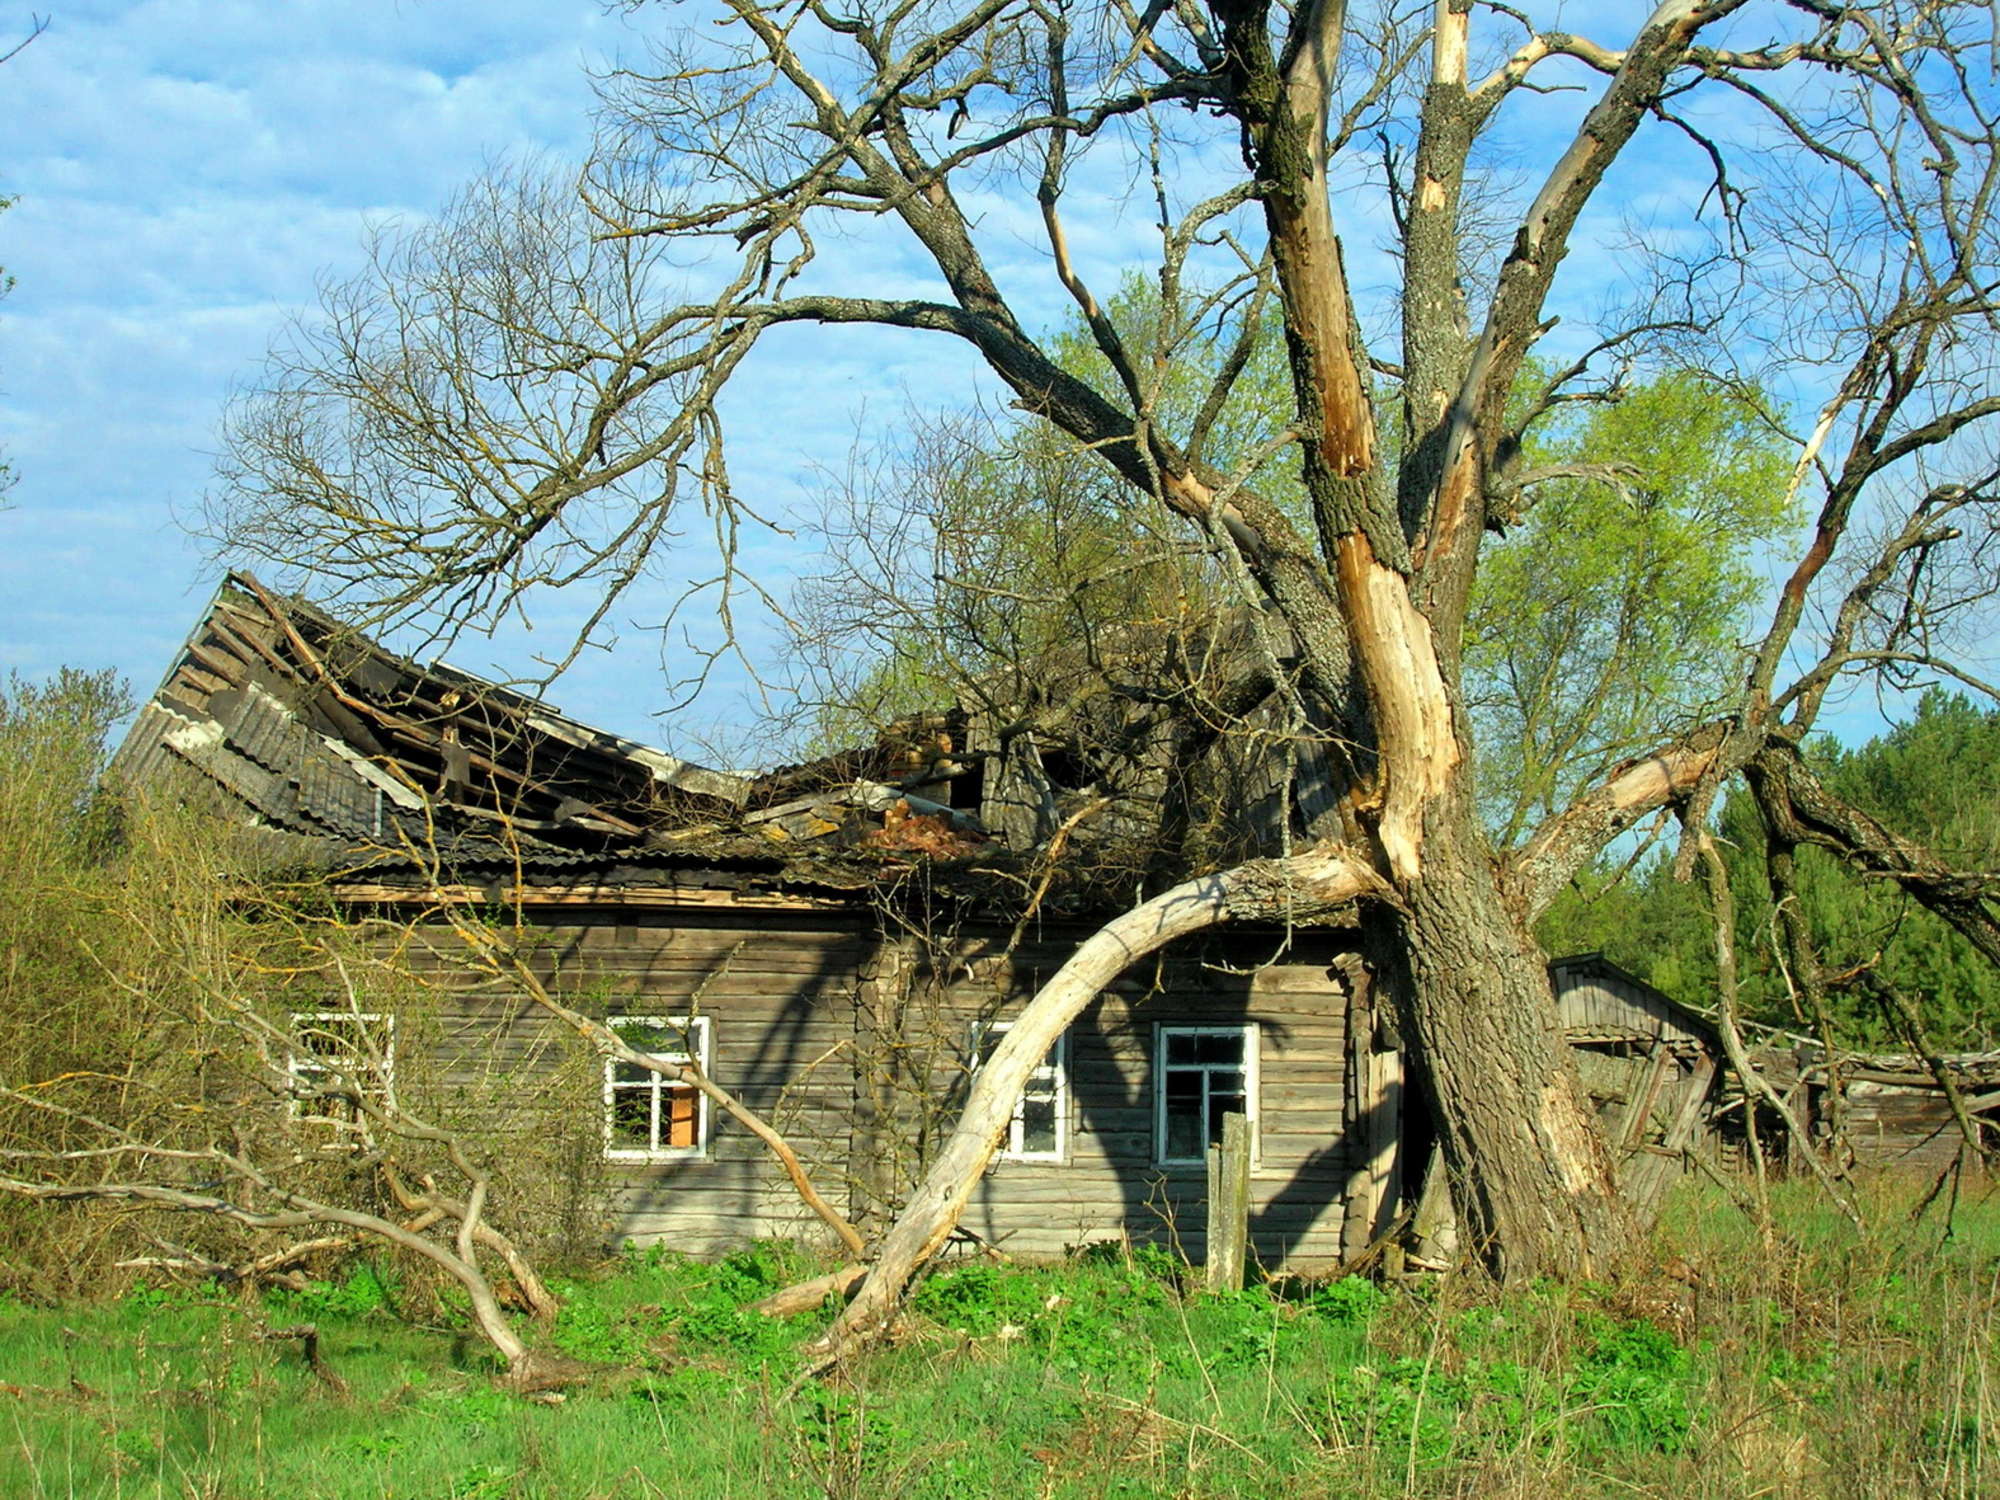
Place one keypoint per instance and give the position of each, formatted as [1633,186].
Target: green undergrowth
[1829,1363]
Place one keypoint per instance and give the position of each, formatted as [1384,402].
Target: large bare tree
[519,396]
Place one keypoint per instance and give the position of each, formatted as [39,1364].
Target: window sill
[1200,1168]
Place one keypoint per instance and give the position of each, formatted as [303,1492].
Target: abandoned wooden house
[836,943]
[1883,1110]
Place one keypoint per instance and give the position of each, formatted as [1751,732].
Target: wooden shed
[1649,1063]
[1883,1110]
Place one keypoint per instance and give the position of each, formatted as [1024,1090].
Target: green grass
[1837,1364]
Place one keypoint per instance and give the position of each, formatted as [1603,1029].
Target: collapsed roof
[350,755]
[298,725]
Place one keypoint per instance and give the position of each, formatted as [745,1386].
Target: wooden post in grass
[1228,1204]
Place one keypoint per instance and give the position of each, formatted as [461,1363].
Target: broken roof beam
[869,796]
[665,769]
[416,735]
[668,770]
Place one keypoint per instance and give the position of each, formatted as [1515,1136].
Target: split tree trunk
[1532,1180]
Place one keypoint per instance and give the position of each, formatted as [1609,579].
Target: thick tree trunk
[1532,1180]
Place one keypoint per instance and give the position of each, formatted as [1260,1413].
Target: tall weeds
[183,1009]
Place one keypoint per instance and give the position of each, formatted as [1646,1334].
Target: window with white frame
[1202,1073]
[1039,1130]
[651,1116]
[339,1060]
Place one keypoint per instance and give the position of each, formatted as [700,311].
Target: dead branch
[1748,1074]
[1315,883]
[272,1266]
[807,1296]
[307,1335]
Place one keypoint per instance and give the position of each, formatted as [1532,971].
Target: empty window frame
[1039,1130]
[652,1116]
[339,1059]
[1201,1073]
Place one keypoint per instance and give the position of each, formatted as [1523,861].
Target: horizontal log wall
[785,993]
[778,989]
[1906,1128]
[1111,1184]
[781,995]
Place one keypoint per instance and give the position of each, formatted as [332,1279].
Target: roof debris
[300,725]
[348,756]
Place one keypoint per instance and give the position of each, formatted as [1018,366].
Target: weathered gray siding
[858,1049]
[780,993]
[1890,1125]
[1111,1184]
[1648,1064]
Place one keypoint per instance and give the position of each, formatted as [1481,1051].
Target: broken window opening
[1039,1130]
[1202,1074]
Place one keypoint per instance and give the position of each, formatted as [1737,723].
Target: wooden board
[799,1013]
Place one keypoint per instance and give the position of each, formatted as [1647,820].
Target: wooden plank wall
[1647,1068]
[1376,1097]
[1889,1126]
[780,991]
[796,999]
[1111,1185]
[1601,1006]
[781,994]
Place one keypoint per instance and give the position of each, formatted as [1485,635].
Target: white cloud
[185,172]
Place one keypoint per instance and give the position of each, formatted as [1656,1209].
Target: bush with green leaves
[162,974]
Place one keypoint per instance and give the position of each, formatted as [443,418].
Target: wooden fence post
[1228,1205]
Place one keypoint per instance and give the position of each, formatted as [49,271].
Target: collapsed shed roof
[351,756]
[1599,1002]
[295,724]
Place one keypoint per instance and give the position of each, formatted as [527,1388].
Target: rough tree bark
[1513,1122]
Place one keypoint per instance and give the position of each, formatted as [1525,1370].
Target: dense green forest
[1934,778]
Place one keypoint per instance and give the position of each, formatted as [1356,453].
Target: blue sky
[188,171]
[184,171]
